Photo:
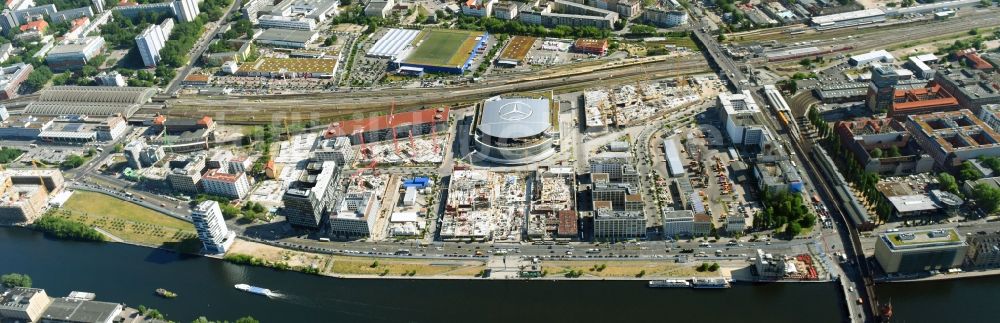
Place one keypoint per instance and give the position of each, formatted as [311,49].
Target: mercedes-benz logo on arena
[514,111]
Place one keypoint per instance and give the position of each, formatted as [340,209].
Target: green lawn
[100,204]
[130,222]
[443,47]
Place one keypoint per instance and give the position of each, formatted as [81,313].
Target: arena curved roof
[514,118]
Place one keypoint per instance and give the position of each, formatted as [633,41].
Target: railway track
[333,106]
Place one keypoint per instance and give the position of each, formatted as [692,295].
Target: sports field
[442,47]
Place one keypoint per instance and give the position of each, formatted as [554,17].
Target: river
[129,274]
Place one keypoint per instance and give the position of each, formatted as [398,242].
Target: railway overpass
[862,278]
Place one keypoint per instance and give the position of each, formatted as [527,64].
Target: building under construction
[392,126]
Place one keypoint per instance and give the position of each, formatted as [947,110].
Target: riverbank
[375,267]
[205,287]
[950,276]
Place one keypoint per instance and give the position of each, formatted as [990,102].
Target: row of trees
[864,181]
[63,228]
[152,313]
[514,27]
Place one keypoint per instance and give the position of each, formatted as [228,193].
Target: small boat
[255,290]
[165,293]
[669,283]
[710,283]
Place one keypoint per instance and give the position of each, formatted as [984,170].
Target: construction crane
[287,131]
[392,117]
[434,135]
[361,137]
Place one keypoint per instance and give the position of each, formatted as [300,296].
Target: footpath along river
[129,274]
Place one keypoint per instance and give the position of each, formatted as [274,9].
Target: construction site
[631,104]
[553,205]
[413,151]
[485,206]
[409,217]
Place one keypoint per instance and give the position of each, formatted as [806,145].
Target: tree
[713,267]
[894,151]
[15,280]
[876,153]
[247,319]
[9,154]
[330,40]
[793,229]
[720,38]
[805,62]
[947,183]
[968,172]
[640,29]
[37,79]
[71,162]
[987,197]
[992,162]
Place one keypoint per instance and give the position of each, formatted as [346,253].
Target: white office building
[211,227]
[299,23]
[741,114]
[679,223]
[353,215]
[229,185]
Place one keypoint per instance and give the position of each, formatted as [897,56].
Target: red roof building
[38,25]
[591,46]
[567,224]
[920,101]
[380,128]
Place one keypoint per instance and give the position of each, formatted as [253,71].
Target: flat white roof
[738,103]
[393,43]
[776,99]
[835,18]
[925,58]
[403,217]
[912,203]
[674,164]
[873,56]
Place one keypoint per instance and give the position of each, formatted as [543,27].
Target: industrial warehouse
[515,130]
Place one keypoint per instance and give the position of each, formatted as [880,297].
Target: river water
[129,274]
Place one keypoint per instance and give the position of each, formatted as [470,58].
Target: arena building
[515,130]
